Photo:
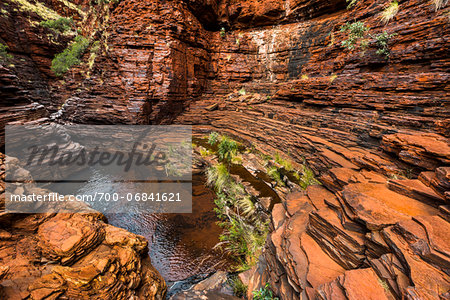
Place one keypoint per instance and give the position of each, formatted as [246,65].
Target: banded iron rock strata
[375,131]
[71,256]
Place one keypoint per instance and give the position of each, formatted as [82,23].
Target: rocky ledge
[72,256]
[363,242]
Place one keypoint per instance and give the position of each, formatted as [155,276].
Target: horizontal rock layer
[71,256]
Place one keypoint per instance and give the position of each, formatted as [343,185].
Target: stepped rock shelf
[275,76]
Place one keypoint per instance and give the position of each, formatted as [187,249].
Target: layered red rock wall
[360,121]
[25,78]
[154,57]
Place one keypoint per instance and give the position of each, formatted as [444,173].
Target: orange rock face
[74,256]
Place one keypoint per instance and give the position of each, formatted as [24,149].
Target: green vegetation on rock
[239,288]
[244,233]
[307,178]
[382,41]
[227,149]
[438,4]
[61,25]
[389,12]
[70,56]
[275,174]
[264,293]
[356,35]
[4,55]
[37,7]
[286,164]
[213,138]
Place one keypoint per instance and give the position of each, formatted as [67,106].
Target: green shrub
[70,56]
[264,294]
[222,32]
[227,149]
[4,55]
[382,41]
[389,12]
[221,203]
[62,24]
[351,3]
[358,37]
[356,34]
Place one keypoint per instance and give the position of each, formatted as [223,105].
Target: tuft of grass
[237,159]
[438,4]
[275,174]
[332,39]
[332,78]
[243,240]
[384,284]
[242,92]
[351,3]
[239,288]
[246,206]
[218,177]
[286,164]
[307,178]
[304,77]
[390,12]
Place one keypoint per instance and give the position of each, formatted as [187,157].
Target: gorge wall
[374,130]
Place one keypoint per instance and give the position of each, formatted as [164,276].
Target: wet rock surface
[73,256]
[214,287]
